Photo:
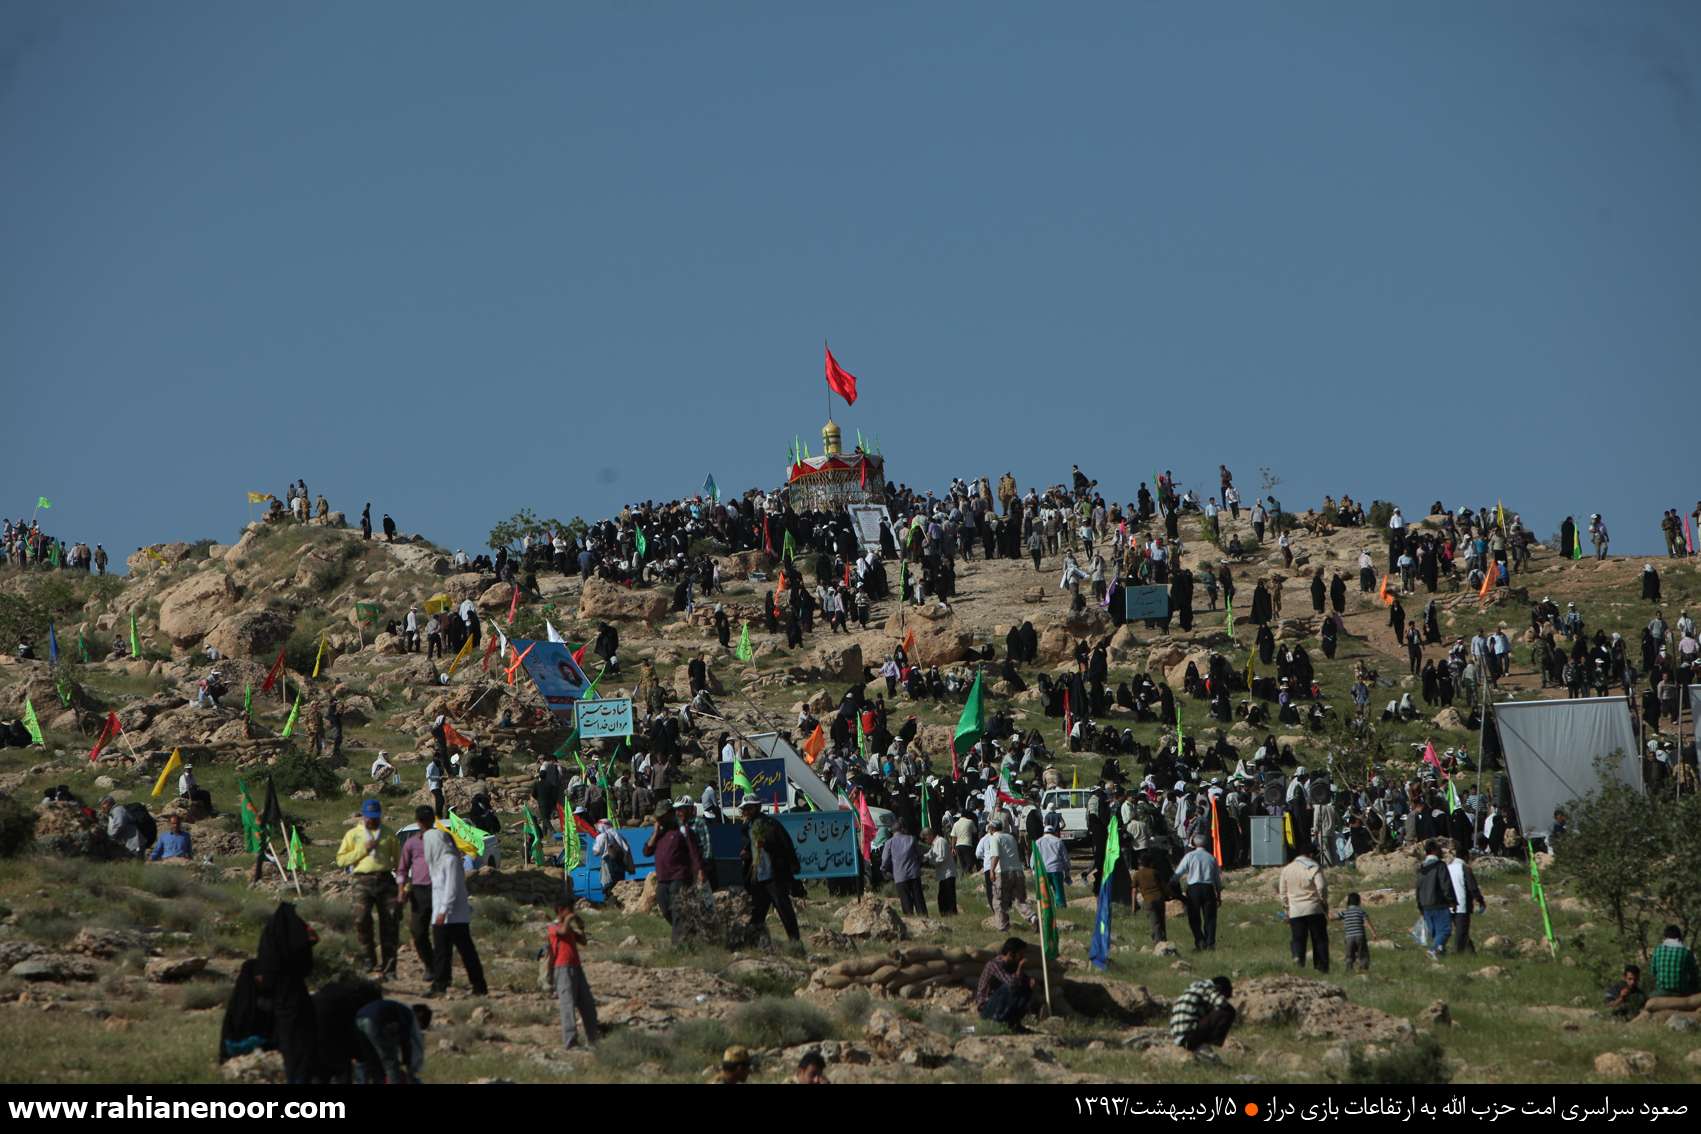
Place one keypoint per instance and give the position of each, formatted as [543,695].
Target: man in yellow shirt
[369,853]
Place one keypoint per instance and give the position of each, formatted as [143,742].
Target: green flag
[534,838]
[30,722]
[788,549]
[135,642]
[1178,733]
[1229,620]
[642,543]
[744,651]
[82,648]
[43,502]
[53,552]
[250,821]
[247,698]
[1047,899]
[294,712]
[64,688]
[972,724]
[367,611]
[572,853]
[465,832]
[297,852]
[739,779]
[1576,542]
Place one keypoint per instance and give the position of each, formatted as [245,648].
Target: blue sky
[457,259]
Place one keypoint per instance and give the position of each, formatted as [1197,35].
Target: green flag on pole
[247,698]
[1229,619]
[744,651]
[43,502]
[250,821]
[294,712]
[534,839]
[971,725]
[135,641]
[643,544]
[31,723]
[1048,899]
[297,852]
[1576,542]
[788,550]
[82,648]
[1539,893]
[1178,733]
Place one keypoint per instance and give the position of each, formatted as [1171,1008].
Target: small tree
[526,523]
[1635,857]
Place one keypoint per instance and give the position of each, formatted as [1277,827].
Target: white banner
[1551,748]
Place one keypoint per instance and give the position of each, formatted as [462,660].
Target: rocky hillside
[92,950]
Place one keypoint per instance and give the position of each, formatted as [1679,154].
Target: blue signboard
[604,716]
[559,678]
[767,779]
[1145,602]
[826,843]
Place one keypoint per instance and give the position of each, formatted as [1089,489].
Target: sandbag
[917,953]
[912,992]
[1673,1003]
[858,966]
[883,974]
[836,981]
[958,955]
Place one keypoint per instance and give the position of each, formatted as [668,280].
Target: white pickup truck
[1071,803]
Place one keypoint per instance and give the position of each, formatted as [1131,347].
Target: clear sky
[458,259]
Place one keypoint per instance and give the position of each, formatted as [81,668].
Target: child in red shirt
[565,935]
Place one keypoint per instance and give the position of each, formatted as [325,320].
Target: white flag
[554,634]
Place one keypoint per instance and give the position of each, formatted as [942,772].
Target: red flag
[514,604]
[813,747]
[1004,797]
[579,656]
[956,772]
[517,660]
[1429,757]
[1068,720]
[584,827]
[767,537]
[841,381]
[864,473]
[489,648]
[273,674]
[867,824]
[909,644]
[107,731]
[1387,599]
[453,738]
[1216,833]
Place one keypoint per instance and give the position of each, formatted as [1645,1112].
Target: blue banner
[604,716]
[767,779]
[557,676]
[826,843]
[1145,602]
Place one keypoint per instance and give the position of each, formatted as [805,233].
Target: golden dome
[830,438]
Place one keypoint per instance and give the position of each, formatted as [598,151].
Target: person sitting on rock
[1005,989]
[1625,998]
[1674,966]
[173,843]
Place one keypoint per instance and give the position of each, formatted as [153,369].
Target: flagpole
[1045,968]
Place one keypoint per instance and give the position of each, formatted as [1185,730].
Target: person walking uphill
[451,917]
[679,864]
[413,887]
[565,935]
[900,859]
[770,864]
[1435,898]
[1201,881]
[370,854]
[1304,892]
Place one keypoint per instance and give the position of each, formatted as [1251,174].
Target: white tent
[1551,748]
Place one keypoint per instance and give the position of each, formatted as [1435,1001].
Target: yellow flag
[320,656]
[1076,782]
[466,648]
[1251,669]
[259,497]
[171,766]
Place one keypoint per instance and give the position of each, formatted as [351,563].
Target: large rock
[54,969]
[1448,718]
[874,919]
[1177,673]
[603,600]
[255,633]
[169,555]
[1612,1064]
[1321,1010]
[939,638]
[93,942]
[905,1041]
[840,664]
[1124,643]
[170,970]
[188,610]
[255,1067]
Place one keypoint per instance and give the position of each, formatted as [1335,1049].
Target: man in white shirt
[1201,883]
[944,865]
[451,916]
[1001,862]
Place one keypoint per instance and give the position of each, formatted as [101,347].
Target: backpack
[138,814]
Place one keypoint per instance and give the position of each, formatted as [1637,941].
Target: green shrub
[298,770]
[164,882]
[768,983]
[197,996]
[853,1008]
[777,1022]
[17,826]
[629,1047]
[1419,1062]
